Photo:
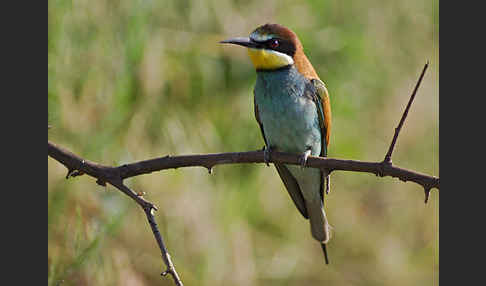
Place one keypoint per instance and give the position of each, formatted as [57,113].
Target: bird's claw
[303,158]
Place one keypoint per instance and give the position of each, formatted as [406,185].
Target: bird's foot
[74,173]
[303,158]
[266,155]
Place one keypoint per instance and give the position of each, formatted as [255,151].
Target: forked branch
[104,174]
[115,175]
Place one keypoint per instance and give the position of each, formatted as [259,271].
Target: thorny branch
[115,175]
[104,174]
[388,155]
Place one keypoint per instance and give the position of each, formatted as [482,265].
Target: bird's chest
[289,118]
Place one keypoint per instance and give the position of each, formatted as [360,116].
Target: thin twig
[104,174]
[404,116]
[148,208]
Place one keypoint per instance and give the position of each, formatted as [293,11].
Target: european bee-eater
[293,110]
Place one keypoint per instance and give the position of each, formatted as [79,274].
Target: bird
[292,108]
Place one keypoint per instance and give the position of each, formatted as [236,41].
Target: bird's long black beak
[241,41]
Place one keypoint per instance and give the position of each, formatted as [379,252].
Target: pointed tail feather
[318,221]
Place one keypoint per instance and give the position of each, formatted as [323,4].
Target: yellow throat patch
[268,59]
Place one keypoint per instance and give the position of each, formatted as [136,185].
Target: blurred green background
[132,80]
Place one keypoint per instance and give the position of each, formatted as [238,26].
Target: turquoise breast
[289,116]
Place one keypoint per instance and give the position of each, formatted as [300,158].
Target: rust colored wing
[321,99]
[324,107]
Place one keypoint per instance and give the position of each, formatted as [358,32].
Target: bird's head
[270,46]
[273,46]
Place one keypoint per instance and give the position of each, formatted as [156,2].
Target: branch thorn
[427,193]
[101,182]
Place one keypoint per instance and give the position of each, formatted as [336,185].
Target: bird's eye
[274,44]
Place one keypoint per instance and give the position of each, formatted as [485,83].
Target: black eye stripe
[284,46]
